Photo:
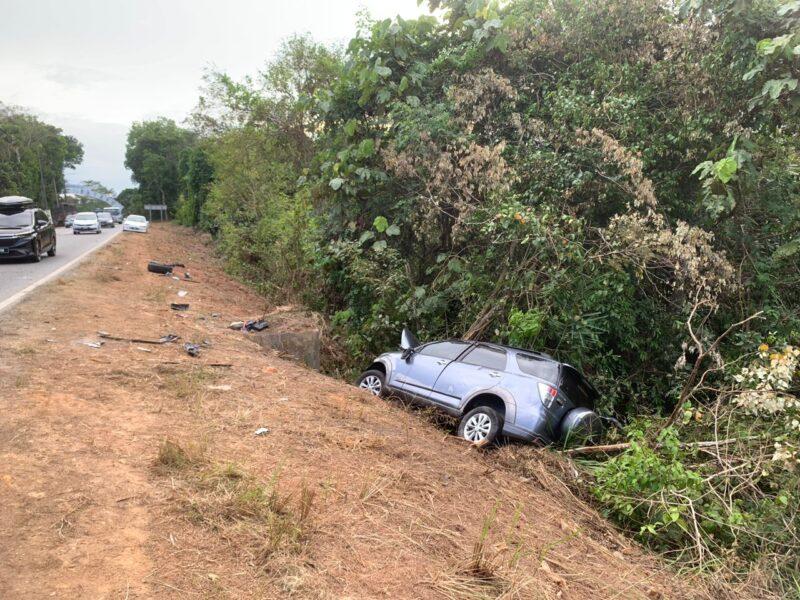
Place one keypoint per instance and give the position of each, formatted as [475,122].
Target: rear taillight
[547,394]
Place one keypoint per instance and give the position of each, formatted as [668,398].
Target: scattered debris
[237,325]
[179,306]
[215,315]
[262,431]
[182,293]
[191,349]
[219,388]
[186,275]
[165,339]
[162,268]
[256,325]
[143,349]
[93,344]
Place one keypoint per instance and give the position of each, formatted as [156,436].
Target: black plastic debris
[162,268]
[256,325]
[179,306]
[186,275]
[192,349]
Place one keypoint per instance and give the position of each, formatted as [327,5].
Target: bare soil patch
[133,471]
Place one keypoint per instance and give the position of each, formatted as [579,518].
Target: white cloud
[94,66]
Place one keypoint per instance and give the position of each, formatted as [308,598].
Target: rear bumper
[525,435]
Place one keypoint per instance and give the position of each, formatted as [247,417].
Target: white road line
[9,302]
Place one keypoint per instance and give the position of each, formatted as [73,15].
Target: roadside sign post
[161,208]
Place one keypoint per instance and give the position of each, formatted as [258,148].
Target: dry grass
[106,276]
[174,457]
[186,384]
[259,518]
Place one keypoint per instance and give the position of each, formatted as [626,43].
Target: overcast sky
[92,67]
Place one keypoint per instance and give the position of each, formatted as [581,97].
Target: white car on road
[86,222]
[135,223]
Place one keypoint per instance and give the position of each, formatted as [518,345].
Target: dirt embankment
[133,471]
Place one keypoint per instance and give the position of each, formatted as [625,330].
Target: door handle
[442,362]
[496,375]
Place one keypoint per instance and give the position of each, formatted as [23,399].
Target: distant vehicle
[135,223]
[68,220]
[492,389]
[105,218]
[115,212]
[86,222]
[25,231]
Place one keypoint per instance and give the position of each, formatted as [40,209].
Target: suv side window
[42,216]
[447,350]
[486,356]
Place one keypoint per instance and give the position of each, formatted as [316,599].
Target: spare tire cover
[580,426]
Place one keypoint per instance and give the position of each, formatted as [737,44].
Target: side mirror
[408,340]
[42,223]
[407,352]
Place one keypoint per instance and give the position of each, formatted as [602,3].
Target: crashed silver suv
[493,389]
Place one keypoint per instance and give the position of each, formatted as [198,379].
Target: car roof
[543,355]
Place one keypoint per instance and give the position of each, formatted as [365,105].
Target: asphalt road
[16,275]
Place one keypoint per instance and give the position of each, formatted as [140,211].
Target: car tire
[37,252]
[481,425]
[373,381]
[52,251]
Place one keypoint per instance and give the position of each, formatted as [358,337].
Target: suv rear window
[538,367]
[575,387]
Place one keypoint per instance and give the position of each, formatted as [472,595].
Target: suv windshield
[16,220]
[103,215]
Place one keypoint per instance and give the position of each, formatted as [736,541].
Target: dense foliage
[613,182]
[33,156]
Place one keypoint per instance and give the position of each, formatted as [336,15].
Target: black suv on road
[25,230]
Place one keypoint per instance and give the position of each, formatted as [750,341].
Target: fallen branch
[612,448]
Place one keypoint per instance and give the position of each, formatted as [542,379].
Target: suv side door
[481,368]
[418,374]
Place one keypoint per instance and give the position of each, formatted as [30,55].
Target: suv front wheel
[481,425]
[373,381]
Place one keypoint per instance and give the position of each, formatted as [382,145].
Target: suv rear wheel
[481,425]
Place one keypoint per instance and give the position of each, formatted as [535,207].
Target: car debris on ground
[91,344]
[164,339]
[182,293]
[192,349]
[256,325]
[162,268]
[179,306]
[236,325]
[262,431]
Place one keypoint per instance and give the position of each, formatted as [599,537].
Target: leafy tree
[153,154]
[33,156]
